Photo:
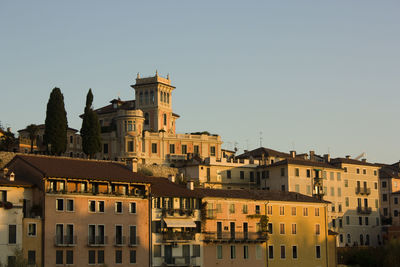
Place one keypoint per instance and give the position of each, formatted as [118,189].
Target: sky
[291,75]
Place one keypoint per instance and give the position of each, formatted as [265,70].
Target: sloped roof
[126,105]
[351,161]
[63,167]
[162,187]
[258,152]
[304,162]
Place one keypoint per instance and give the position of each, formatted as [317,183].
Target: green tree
[32,130]
[90,130]
[56,124]
[7,140]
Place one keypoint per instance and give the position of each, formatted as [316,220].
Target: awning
[179,222]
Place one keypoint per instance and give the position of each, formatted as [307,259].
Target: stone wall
[157,170]
[5,157]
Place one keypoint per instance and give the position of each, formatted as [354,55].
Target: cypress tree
[90,131]
[56,124]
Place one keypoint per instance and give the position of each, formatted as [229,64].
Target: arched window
[165,97]
[146,119]
[348,239]
[165,119]
[161,97]
[151,97]
[141,98]
[367,239]
[361,240]
[146,97]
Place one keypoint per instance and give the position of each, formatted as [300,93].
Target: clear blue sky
[309,75]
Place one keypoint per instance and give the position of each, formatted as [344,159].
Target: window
[375,172]
[339,192]
[70,205]
[316,211]
[32,229]
[242,175]
[283,187]
[100,256]
[271,252]
[172,148]
[384,184]
[283,252]
[340,207]
[31,257]
[219,208]
[245,252]
[212,151]
[308,190]
[118,235]
[12,234]
[132,256]
[297,188]
[341,238]
[347,220]
[324,175]
[294,229]
[339,177]
[297,172]
[269,210]
[100,205]
[333,223]
[196,150]
[348,239]
[257,209]
[281,210]
[154,148]
[258,252]
[70,257]
[282,172]
[92,206]
[333,208]
[60,204]
[59,257]
[184,149]
[318,252]
[132,235]
[118,256]
[364,171]
[232,208]
[346,183]
[347,201]
[358,171]
[282,228]
[270,228]
[332,176]
[384,197]
[228,174]
[118,207]
[294,252]
[157,250]
[340,222]
[305,211]
[366,220]
[130,146]
[308,173]
[345,169]
[132,207]
[317,229]
[3,195]
[360,220]
[233,252]
[92,257]
[219,252]
[294,211]
[196,250]
[165,123]
[332,191]
[105,148]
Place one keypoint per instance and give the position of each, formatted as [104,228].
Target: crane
[362,155]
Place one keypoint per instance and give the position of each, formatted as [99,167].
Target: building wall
[81,218]
[33,242]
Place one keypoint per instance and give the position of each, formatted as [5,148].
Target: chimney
[245,151]
[312,154]
[132,164]
[11,177]
[293,153]
[327,158]
[171,178]
[190,185]
[347,156]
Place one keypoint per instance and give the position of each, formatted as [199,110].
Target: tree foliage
[90,130]
[56,124]
[32,130]
[7,140]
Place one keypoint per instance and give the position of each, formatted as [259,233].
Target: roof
[175,115]
[351,161]
[258,152]
[258,195]
[63,167]
[388,172]
[162,187]
[126,105]
[304,162]
[43,126]
[15,183]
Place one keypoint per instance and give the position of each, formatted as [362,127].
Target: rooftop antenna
[261,138]
[236,146]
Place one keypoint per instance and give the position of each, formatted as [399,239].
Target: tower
[154,97]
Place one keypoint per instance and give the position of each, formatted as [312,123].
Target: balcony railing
[119,241]
[97,241]
[364,210]
[363,190]
[234,237]
[176,212]
[63,241]
[134,241]
[178,236]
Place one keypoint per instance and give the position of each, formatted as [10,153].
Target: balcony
[176,212]
[234,237]
[364,210]
[178,236]
[134,241]
[176,157]
[363,191]
[119,241]
[65,241]
[96,241]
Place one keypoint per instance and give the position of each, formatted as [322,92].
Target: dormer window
[115,105]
